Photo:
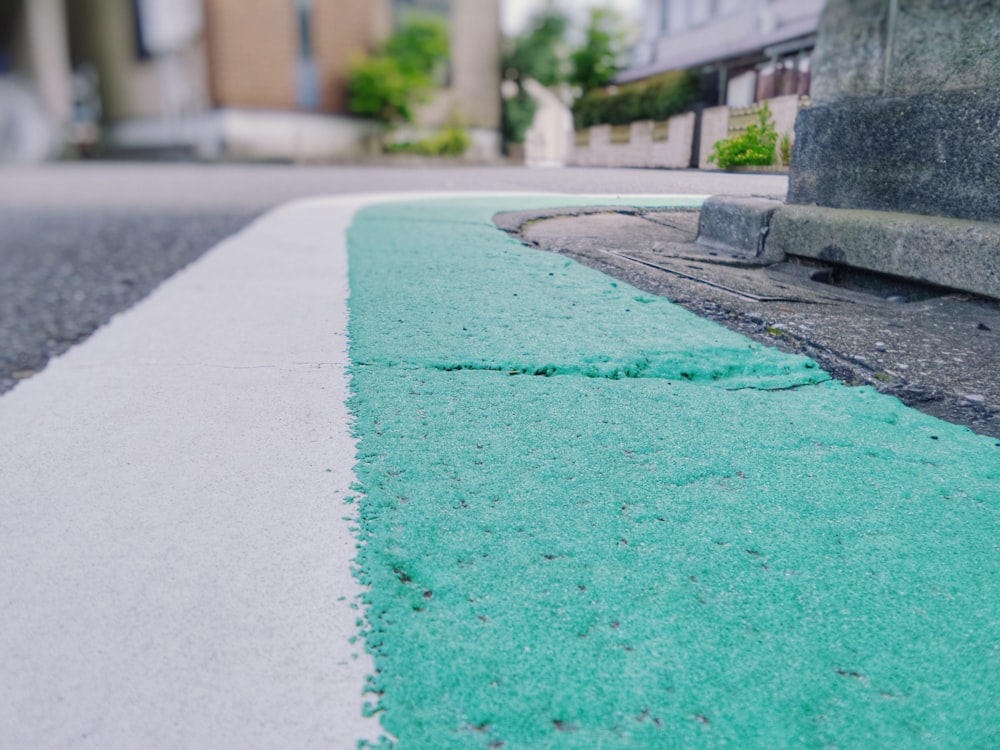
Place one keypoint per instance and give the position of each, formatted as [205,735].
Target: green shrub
[785,150]
[518,114]
[450,141]
[380,89]
[656,98]
[389,85]
[753,148]
[421,46]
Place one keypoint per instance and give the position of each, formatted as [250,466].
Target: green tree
[421,46]
[595,62]
[389,84]
[541,52]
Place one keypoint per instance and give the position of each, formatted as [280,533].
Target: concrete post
[907,114]
[48,58]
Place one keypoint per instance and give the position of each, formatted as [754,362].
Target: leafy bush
[450,141]
[518,114]
[538,54]
[595,63]
[380,89]
[753,148]
[785,150]
[655,98]
[421,46]
[389,85]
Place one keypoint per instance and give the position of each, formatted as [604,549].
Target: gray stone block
[738,226]
[936,154]
[944,46]
[850,53]
[948,252]
[926,46]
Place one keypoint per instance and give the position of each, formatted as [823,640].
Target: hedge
[656,98]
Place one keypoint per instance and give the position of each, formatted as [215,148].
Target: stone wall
[644,143]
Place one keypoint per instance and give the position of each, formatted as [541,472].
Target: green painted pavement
[676,539]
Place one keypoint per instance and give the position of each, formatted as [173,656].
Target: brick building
[240,78]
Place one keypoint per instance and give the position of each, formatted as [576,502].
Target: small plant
[754,148]
[450,141]
[785,150]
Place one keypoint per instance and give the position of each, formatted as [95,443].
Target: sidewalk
[603,529]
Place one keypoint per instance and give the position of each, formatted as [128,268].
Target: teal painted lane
[720,547]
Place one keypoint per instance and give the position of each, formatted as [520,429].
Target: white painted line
[173,550]
[175,560]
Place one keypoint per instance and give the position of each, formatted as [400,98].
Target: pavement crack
[642,369]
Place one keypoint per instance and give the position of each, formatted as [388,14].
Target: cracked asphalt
[82,241]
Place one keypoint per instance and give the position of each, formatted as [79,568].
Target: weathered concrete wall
[473,96]
[907,114]
[714,127]
[936,154]
[897,48]
[648,145]
[550,137]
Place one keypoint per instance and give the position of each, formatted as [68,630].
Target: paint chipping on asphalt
[688,540]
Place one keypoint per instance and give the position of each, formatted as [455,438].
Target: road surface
[589,519]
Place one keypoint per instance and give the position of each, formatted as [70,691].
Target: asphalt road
[80,242]
[63,275]
[181,513]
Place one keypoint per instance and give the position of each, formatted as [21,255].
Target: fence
[645,143]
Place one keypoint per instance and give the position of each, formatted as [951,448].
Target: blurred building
[754,49]
[223,78]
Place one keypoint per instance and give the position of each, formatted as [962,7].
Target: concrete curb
[738,226]
[947,252]
[954,253]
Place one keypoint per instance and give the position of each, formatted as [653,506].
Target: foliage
[655,98]
[390,84]
[755,147]
[421,46]
[380,89]
[539,54]
[785,150]
[596,61]
[450,141]
[518,114]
